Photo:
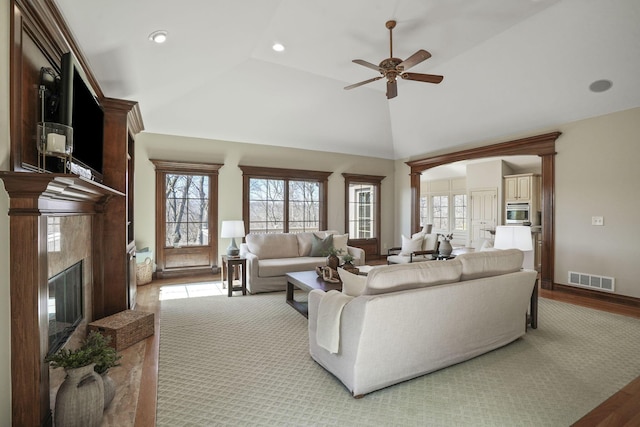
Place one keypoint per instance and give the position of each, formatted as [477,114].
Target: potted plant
[332,257]
[82,397]
[105,358]
[348,263]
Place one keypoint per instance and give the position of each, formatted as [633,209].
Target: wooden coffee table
[306,281]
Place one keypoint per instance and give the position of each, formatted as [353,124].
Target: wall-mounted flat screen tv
[80,109]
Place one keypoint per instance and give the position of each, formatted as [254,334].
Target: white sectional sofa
[271,256]
[412,319]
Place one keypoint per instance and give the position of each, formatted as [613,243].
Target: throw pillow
[352,284]
[410,245]
[340,243]
[320,247]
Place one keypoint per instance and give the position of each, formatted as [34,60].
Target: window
[186,217]
[440,212]
[284,200]
[360,206]
[444,204]
[460,212]
[362,211]
[187,210]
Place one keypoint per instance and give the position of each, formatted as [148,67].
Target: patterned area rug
[244,361]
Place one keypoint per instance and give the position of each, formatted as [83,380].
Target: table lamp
[232,229]
[516,237]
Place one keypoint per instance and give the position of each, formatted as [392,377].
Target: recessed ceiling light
[159,36]
[600,85]
[278,47]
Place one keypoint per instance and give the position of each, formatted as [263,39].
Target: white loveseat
[271,256]
[412,319]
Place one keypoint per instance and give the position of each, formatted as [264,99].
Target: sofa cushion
[340,243]
[304,241]
[280,266]
[400,277]
[320,246]
[430,242]
[277,245]
[352,284]
[412,244]
[476,265]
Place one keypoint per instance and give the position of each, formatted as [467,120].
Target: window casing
[362,211]
[186,217]
[284,200]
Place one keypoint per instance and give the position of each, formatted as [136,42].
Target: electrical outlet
[597,220]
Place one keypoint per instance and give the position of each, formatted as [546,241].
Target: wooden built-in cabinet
[121,123]
[38,39]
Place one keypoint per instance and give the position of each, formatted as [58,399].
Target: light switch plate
[597,220]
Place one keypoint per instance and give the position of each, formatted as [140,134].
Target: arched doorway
[540,145]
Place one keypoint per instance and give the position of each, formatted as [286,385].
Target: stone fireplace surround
[74,244]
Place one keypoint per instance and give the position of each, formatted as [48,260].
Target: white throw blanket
[329,312]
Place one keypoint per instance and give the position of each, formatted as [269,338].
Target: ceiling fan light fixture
[391,68]
[159,36]
[278,47]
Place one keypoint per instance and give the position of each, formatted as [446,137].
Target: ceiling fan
[392,68]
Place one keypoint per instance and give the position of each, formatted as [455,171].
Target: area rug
[244,361]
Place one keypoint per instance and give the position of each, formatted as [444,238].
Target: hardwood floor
[621,409]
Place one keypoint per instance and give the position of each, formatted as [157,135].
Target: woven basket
[125,328]
[144,272]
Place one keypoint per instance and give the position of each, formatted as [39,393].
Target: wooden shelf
[54,193]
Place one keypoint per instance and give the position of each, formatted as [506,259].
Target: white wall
[166,147]
[597,174]
[5,312]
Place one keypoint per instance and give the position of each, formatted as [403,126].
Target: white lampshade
[232,229]
[513,237]
[516,237]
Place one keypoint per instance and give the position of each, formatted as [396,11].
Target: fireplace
[64,305]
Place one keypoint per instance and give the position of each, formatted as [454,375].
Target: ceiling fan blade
[414,59]
[368,65]
[392,89]
[428,78]
[362,83]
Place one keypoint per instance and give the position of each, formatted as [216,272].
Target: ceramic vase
[80,399]
[445,248]
[109,389]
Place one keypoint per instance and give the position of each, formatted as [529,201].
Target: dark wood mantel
[54,193]
[33,197]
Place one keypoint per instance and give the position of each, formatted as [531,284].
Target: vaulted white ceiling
[510,66]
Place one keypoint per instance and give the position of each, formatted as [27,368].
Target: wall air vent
[600,283]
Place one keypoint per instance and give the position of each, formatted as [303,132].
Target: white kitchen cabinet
[521,188]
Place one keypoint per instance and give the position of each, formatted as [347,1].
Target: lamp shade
[513,237]
[232,229]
